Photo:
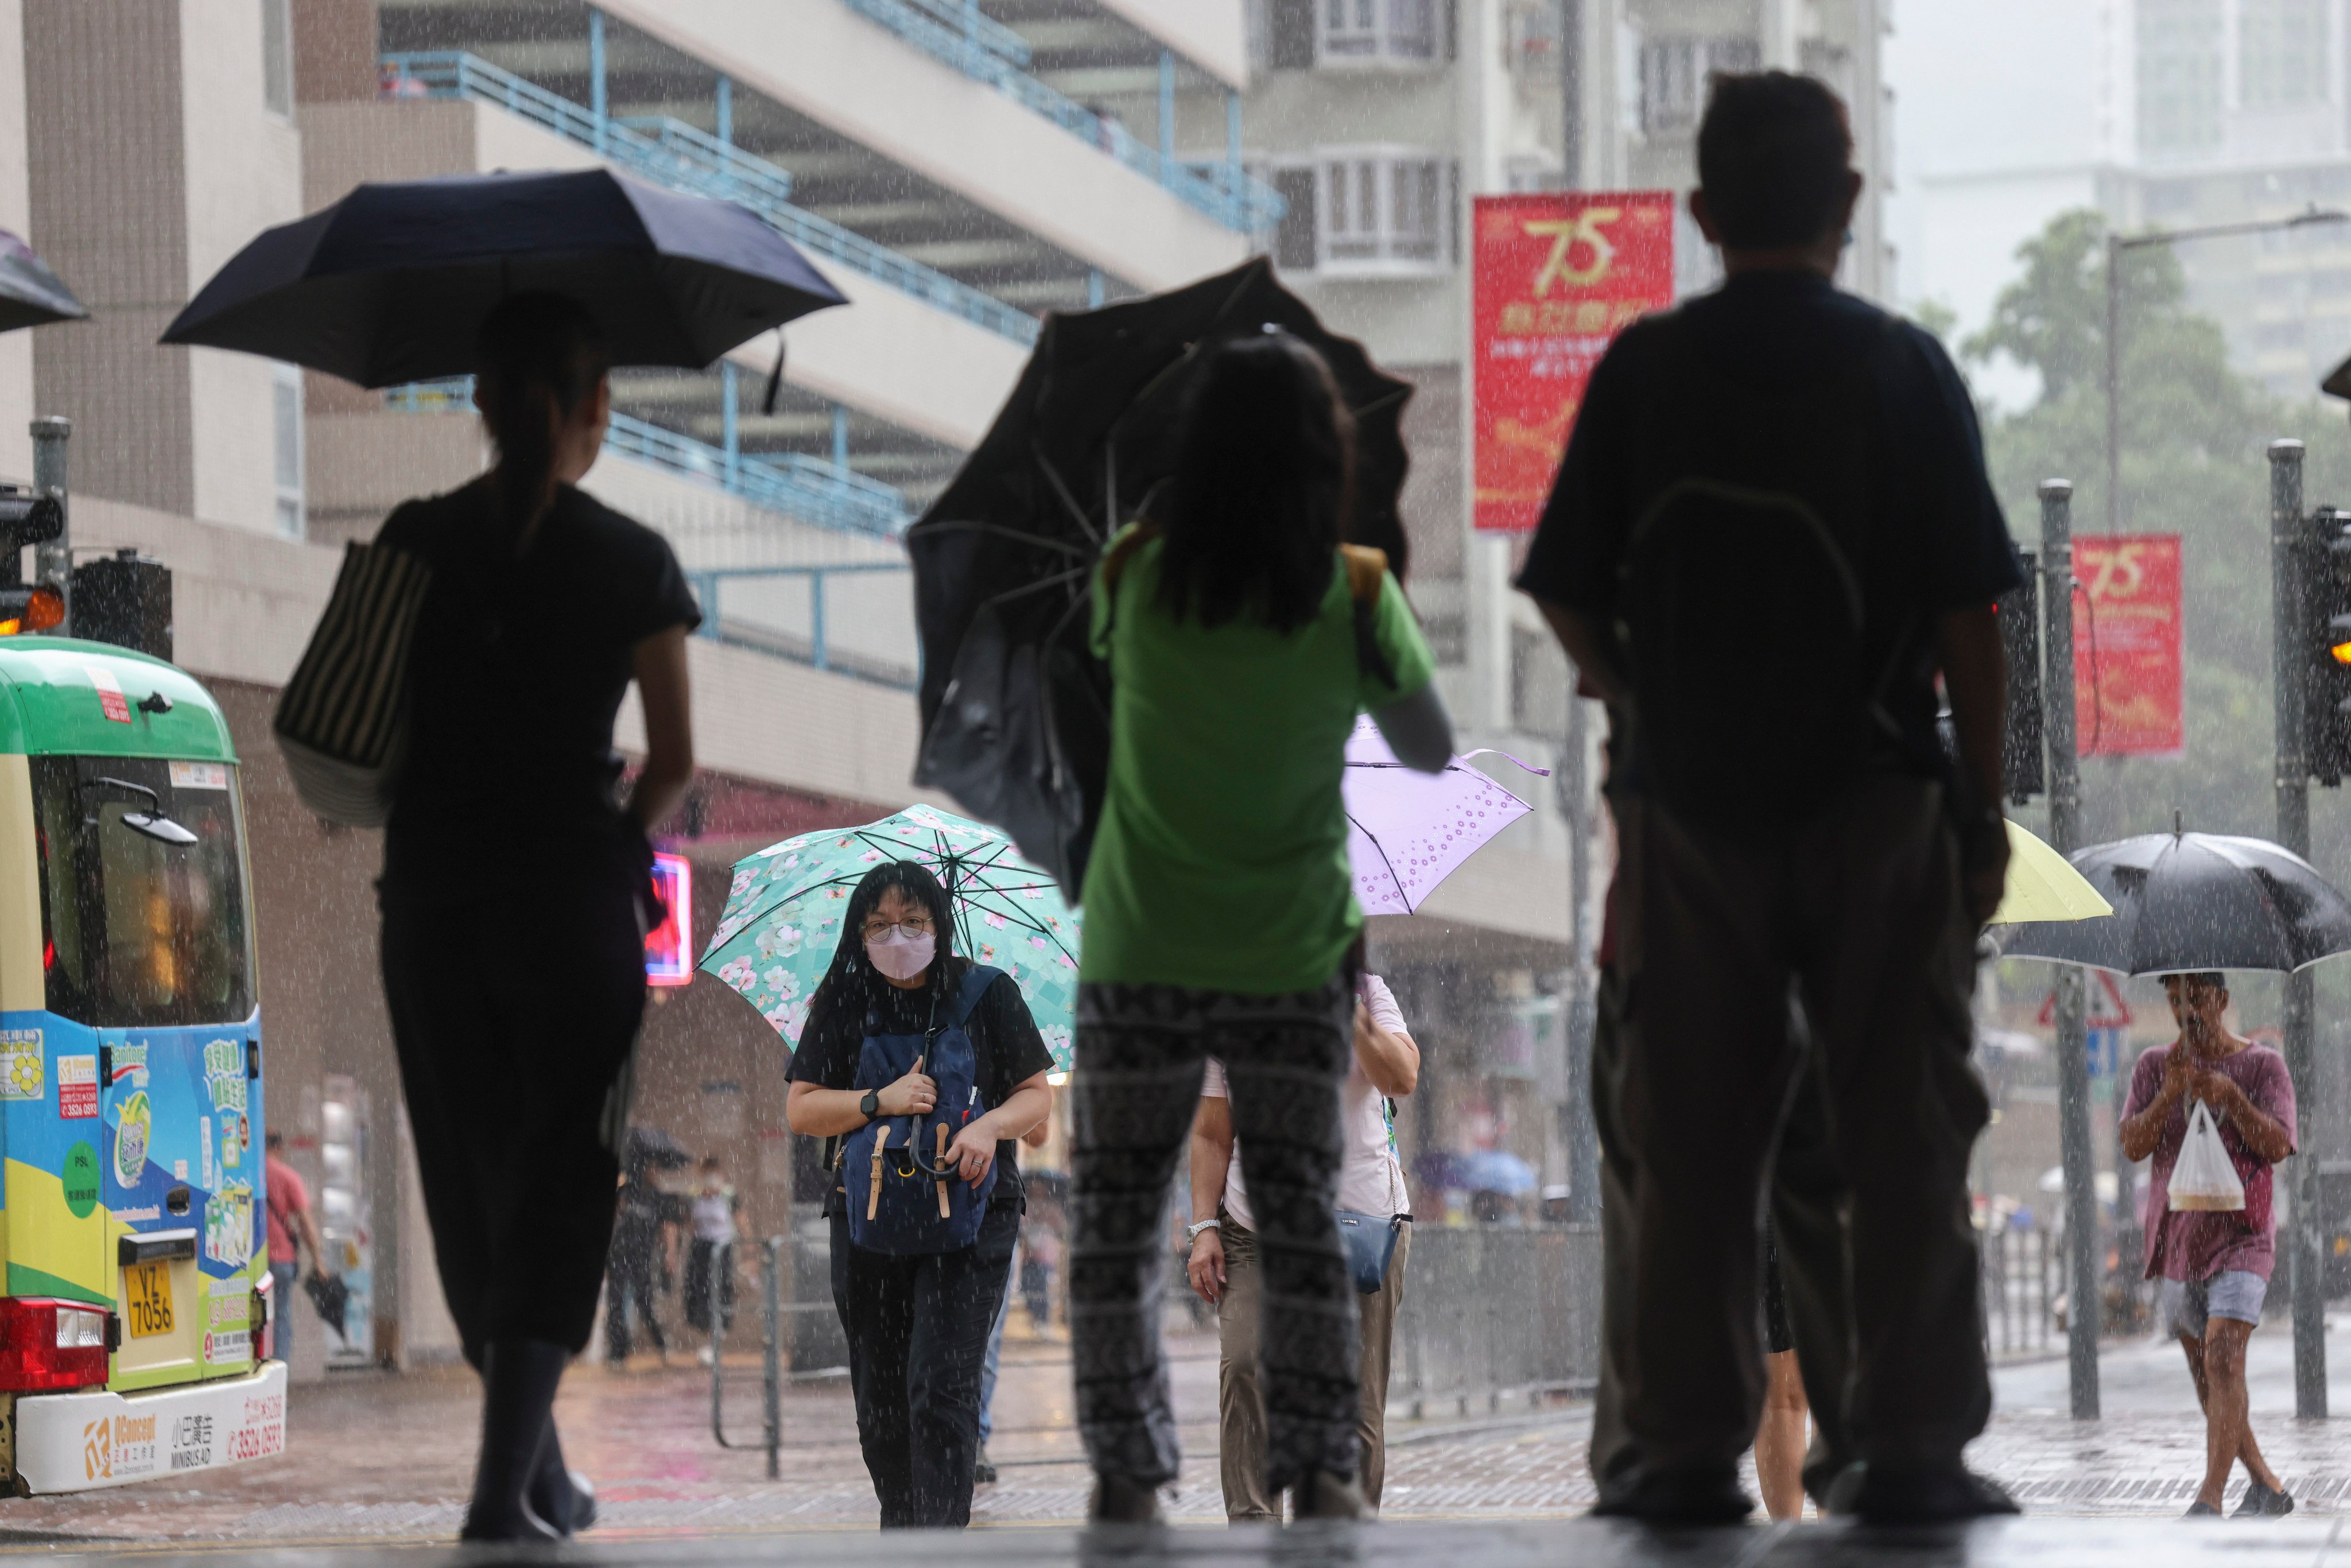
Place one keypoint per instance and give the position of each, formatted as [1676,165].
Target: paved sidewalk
[389,1460]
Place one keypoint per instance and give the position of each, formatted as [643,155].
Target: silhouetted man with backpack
[1772,533]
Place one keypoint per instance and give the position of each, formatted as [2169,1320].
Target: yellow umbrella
[2041,887]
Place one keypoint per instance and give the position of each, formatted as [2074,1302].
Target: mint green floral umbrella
[782,921]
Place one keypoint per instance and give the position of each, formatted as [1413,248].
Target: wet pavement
[385,1462]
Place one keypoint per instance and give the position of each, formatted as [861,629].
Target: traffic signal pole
[2085,1304]
[2289,534]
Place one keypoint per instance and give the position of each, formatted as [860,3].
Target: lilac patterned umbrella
[1408,830]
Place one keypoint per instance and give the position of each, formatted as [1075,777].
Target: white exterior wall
[16,216]
[853,76]
[244,171]
[1208,33]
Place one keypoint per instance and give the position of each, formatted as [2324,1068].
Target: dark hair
[851,973]
[1263,484]
[275,1141]
[535,358]
[1773,156]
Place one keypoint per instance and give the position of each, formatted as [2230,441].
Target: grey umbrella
[2194,901]
[30,294]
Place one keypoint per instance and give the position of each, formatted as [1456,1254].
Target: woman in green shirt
[1243,639]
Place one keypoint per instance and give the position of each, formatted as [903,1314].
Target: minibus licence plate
[148,1288]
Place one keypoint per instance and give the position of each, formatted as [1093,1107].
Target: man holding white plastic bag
[2217,1111]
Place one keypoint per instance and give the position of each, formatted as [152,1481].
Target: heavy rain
[1391,776]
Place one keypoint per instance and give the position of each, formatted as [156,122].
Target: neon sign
[669,947]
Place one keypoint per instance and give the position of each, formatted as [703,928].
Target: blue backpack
[903,1198]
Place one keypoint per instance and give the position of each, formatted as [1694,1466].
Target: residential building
[2162,114]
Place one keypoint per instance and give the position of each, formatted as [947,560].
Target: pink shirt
[287,1197]
[1370,1180]
[2196,1244]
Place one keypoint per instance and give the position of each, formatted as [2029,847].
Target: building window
[1379,29]
[1675,73]
[2179,77]
[277,56]
[1294,242]
[287,430]
[1384,211]
[2282,53]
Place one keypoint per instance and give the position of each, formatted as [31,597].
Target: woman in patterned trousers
[1243,640]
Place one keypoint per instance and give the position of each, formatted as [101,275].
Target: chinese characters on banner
[1555,277]
[2126,631]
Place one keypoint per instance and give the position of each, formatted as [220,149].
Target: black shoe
[518,1384]
[1943,1495]
[1705,1496]
[2264,1502]
[2201,1510]
[982,1472]
[1322,1495]
[1117,1501]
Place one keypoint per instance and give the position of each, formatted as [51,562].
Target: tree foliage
[2194,462]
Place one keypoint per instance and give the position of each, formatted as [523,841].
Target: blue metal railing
[1232,196]
[808,489]
[966,18]
[684,157]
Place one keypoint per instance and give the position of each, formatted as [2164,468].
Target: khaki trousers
[1240,1404]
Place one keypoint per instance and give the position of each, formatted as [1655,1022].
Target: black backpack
[1740,603]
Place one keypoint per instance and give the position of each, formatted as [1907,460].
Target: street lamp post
[2116,246]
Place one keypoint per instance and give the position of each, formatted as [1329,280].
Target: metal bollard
[771,1348]
[771,1356]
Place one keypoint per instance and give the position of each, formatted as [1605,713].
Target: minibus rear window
[138,931]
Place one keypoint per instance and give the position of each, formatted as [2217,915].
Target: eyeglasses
[911,925]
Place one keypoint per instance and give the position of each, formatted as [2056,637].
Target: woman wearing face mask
[918,1325]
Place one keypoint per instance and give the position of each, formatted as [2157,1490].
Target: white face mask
[900,953]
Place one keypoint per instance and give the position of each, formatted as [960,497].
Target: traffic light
[2327,644]
[28,520]
[2021,775]
[124,598]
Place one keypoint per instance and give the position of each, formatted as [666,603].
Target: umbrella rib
[1373,838]
[948,525]
[1063,490]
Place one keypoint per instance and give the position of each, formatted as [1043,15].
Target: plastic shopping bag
[2205,1177]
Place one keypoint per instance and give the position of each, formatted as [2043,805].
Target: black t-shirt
[1006,1050]
[1937,540]
[516,676]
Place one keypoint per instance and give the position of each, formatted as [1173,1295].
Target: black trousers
[709,1282]
[918,1331]
[510,1064]
[633,1289]
[1862,1132]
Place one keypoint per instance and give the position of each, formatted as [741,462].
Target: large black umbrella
[650,1148]
[2194,901]
[389,284]
[30,294]
[1015,707]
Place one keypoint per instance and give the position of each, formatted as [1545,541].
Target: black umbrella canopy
[2194,901]
[650,1148]
[30,294]
[1003,557]
[389,284]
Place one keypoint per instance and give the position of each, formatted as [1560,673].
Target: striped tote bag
[342,721]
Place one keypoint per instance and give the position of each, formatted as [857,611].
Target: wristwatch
[870,1106]
[1192,1232]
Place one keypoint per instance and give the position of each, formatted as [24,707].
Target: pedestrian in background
[2215,1264]
[1782,456]
[643,1263]
[544,606]
[710,1256]
[290,1229]
[918,1324]
[1224,1269]
[1243,640]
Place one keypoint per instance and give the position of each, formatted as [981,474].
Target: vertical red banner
[2127,645]
[1555,277]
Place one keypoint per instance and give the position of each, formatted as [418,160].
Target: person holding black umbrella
[544,605]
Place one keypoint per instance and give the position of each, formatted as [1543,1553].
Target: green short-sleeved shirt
[1221,860]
